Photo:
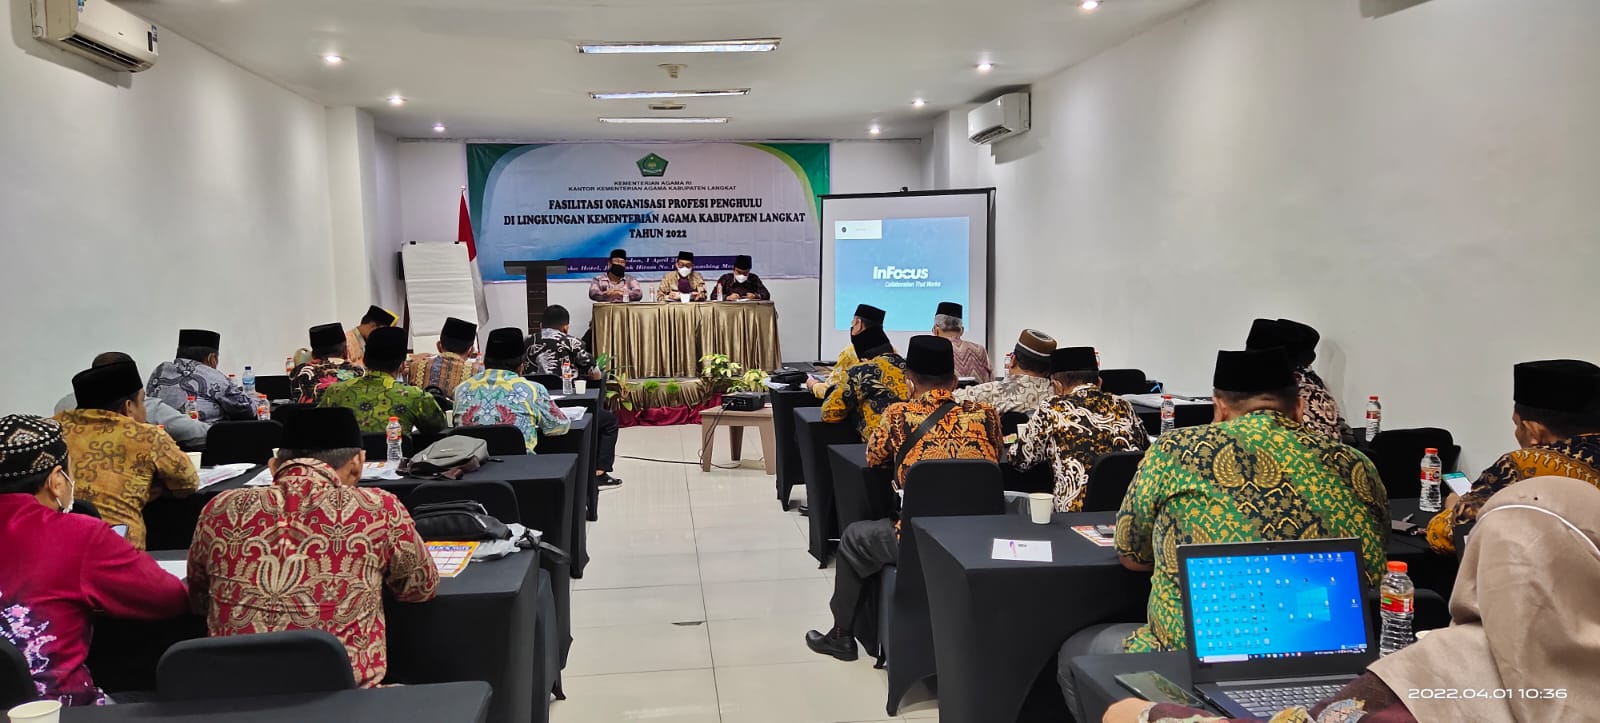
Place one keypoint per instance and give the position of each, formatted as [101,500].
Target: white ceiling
[509,69]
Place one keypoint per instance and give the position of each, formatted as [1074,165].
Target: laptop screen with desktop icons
[1289,607]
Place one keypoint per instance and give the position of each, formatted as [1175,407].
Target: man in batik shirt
[313,551]
[1072,430]
[1026,386]
[972,360]
[376,318]
[554,346]
[741,284]
[870,386]
[327,366]
[445,371]
[1557,424]
[964,430]
[682,280]
[378,395]
[615,285]
[866,317]
[1299,341]
[194,374]
[498,395]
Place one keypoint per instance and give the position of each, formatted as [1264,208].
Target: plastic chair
[1124,381]
[260,664]
[274,386]
[248,442]
[16,680]
[1109,478]
[496,496]
[503,439]
[1397,453]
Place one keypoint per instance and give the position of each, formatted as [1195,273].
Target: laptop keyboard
[1264,702]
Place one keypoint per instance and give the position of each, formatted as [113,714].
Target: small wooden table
[736,422]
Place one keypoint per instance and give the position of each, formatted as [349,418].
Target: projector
[744,401]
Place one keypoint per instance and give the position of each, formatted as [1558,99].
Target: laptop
[1274,624]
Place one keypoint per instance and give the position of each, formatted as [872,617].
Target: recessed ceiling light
[985,66]
[661,120]
[663,94]
[332,59]
[1090,4]
[874,130]
[759,45]
[918,103]
[396,100]
[438,128]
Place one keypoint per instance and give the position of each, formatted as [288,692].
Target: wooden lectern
[538,273]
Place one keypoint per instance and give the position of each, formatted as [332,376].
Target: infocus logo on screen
[894,272]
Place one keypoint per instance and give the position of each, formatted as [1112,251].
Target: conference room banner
[578,201]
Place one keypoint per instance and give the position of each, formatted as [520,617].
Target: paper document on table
[176,568]
[1092,534]
[380,470]
[1458,483]
[574,413]
[212,475]
[451,557]
[262,479]
[1154,400]
[1024,550]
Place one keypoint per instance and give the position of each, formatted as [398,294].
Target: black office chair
[937,488]
[377,446]
[85,507]
[280,410]
[1124,381]
[496,496]
[247,442]
[16,680]
[551,382]
[503,439]
[1189,415]
[1397,453]
[259,664]
[275,387]
[1041,478]
[1109,478]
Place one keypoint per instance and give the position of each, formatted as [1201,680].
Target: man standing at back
[972,360]
[451,366]
[378,395]
[194,374]
[499,395]
[870,386]
[327,365]
[866,317]
[312,551]
[376,318]
[1026,386]
[1081,423]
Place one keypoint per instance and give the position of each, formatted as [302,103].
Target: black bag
[449,458]
[463,521]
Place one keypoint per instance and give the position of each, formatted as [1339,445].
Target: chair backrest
[497,496]
[1124,381]
[503,439]
[278,411]
[1109,477]
[1010,421]
[1190,415]
[16,680]
[243,666]
[945,487]
[248,442]
[275,387]
[1397,453]
[551,382]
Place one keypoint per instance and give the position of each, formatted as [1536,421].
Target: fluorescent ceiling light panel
[663,120]
[761,45]
[665,94]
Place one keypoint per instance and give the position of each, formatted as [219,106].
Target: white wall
[431,175]
[1421,185]
[191,195]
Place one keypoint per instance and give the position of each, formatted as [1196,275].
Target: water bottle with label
[1169,413]
[288,364]
[1374,417]
[1432,479]
[567,375]
[392,438]
[1397,603]
[191,409]
[249,381]
[263,407]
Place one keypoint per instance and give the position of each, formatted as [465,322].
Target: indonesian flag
[464,235]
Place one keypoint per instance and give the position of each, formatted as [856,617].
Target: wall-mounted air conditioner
[97,30]
[1000,118]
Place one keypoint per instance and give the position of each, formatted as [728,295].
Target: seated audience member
[961,430]
[615,285]
[498,395]
[190,434]
[328,364]
[870,386]
[60,570]
[194,374]
[119,461]
[556,345]
[1556,420]
[378,395]
[972,360]
[1078,425]
[1300,343]
[1026,386]
[683,280]
[355,340]
[866,317]
[1526,590]
[452,365]
[285,557]
[741,285]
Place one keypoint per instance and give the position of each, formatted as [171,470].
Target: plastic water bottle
[288,364]
[1432,476]
[1169,413]
[249,380]
[1397,602]
[263,407]
[392,436]
[566,376]
[1374,418]
[191,409]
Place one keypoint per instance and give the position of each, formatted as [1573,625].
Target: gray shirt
[214,396]
[1015,393]
[188,433]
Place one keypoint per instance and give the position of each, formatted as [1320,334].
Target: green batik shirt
[378,396]
[1258,477]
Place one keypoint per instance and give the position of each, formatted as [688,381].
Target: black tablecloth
[814,436]
[1428,570]
[1096,676]
[482,626]
[784,402]
[997,624]
[859,492]
[441,703]
[590,398]
[169,521]
[581,440]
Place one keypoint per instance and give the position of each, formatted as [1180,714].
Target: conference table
[483,625]
[654,340]
[582,440]
[784,402]
[466,702]
[813,437]
[1096,676]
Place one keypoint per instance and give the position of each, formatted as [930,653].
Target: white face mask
[72,490]
[741,278]
[683,272]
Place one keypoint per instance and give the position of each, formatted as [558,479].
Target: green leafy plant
[725,375]
[616,385]
[650,385]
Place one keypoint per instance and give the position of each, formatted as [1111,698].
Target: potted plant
[725,375]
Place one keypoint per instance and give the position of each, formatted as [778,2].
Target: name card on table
[1023,550]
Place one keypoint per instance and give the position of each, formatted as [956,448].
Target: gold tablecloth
[667,340]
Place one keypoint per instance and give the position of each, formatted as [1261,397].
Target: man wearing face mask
[58,569]
[741,285]
[122,461]
[615,285]
[683,280]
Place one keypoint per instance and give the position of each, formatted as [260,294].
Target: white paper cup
[683,298]
[1041,505]
[194,458]
[39,711]
[580,386]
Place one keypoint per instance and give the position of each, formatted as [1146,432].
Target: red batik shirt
[309,553]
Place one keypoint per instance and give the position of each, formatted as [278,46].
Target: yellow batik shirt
[120,464]
[1575,457]
[867,390]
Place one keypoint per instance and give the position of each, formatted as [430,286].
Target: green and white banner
[577,201]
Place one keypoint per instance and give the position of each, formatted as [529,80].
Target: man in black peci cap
[615,285]
[455,361]
[869,387]
[1556,420]
[376,318]
[1299,341]
[972,360]
[193,373]
[500,395]
[866,317]
[327,366]
[380,393]
[1078,425]
[682,280]
[741,285]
